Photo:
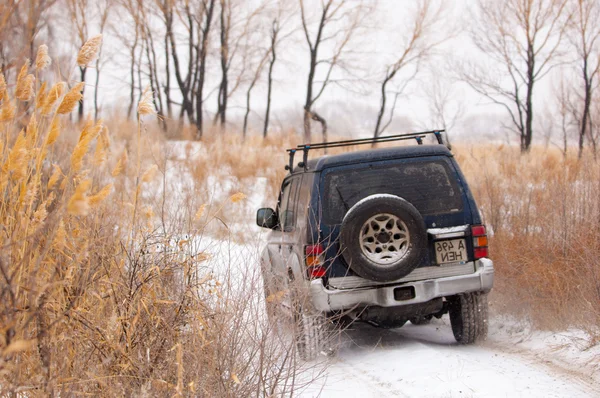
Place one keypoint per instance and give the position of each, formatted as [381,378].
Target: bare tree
[522,39]
[204,28]
[272,59]
[277,36]
[126,28]
[231,41]
[416,46]
[225,31]
[567,112]
[8,29]
[337,22]
[594,131]
[585,38]
[183,73]
[147,11]
[445,105]
[103,8]
[21,22]
[167,17]
[255,77]
[78,13]
[183,39]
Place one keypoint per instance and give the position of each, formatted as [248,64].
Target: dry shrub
[544,212]
[108,283]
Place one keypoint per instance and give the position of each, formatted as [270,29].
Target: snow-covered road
[425,361]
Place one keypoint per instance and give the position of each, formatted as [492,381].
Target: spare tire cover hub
[384,239]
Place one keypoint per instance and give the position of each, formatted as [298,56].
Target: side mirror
[266,218]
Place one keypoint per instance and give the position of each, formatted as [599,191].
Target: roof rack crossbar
[397,137]
[360,141]
[336,145]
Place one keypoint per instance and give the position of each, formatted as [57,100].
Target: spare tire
[383,238]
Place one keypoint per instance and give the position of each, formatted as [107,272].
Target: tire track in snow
[377,386]
[425,361]
[535,358]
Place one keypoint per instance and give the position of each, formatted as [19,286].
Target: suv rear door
[432,184]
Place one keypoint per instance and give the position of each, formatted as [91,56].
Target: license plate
[450,251]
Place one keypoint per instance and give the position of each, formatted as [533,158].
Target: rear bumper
[325,299]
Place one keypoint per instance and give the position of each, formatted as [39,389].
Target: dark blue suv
[384,236]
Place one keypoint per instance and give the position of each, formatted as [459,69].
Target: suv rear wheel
[469,317]
[310,333]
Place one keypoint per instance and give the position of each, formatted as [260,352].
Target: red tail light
[314,250]
[481,252]
[316,272]
[314,261]
[478,230]
[480,241]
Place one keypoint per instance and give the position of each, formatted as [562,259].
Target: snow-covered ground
[425,361]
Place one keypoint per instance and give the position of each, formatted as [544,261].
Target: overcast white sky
[352,109]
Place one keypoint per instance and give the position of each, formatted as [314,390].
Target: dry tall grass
[109,285]
[544,211]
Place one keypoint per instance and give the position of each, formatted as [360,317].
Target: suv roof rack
[305,148]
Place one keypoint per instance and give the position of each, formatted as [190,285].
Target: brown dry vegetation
[103,291]
[544,211]
[107,288]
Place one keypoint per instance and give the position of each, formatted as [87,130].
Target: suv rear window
[429,185]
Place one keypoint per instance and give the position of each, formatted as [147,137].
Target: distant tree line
[197,55]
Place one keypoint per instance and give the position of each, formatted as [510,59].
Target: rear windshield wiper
[342,198]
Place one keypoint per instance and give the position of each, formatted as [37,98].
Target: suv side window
[287,204]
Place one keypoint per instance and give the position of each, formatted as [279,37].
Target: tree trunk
[529,101]
[248,94]
[224,102]
[592,136]
[80,110]
[222,97]
[139,73]
[181,82]
[382,105]
[586,108]
[269,89]
[154,82]
[202,70]
[309,96]
[320,119]
[132,76]
[307,132]
[167,86]
[96,85]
